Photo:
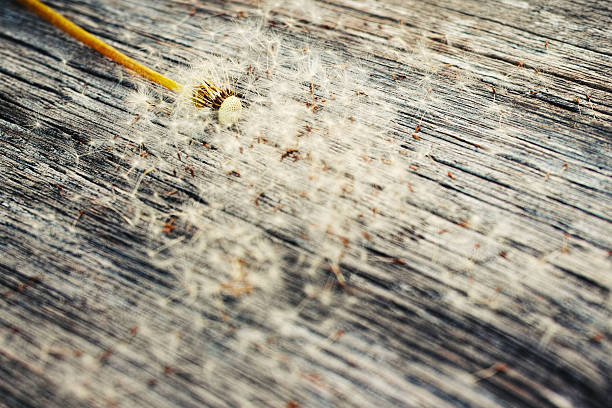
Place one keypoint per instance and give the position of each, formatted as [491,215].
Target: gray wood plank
[324,252]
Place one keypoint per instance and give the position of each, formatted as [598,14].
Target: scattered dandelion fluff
[253,225]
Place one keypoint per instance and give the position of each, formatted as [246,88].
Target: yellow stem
[97,44]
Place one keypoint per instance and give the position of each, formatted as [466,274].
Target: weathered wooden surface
[150,261]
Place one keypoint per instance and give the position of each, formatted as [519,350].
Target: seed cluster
[209,96]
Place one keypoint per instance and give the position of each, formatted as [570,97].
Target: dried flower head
[223,100]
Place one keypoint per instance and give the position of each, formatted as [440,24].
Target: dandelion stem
[97,44]
[206,95]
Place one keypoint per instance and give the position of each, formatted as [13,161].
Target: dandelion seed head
[229,111]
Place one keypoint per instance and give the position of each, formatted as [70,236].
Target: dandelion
[206,95]
[228,104]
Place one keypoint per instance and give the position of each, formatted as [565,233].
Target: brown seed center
[208,95]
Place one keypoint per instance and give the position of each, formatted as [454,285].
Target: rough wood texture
[148,263]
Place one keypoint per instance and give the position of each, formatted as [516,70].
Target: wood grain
[491,287]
